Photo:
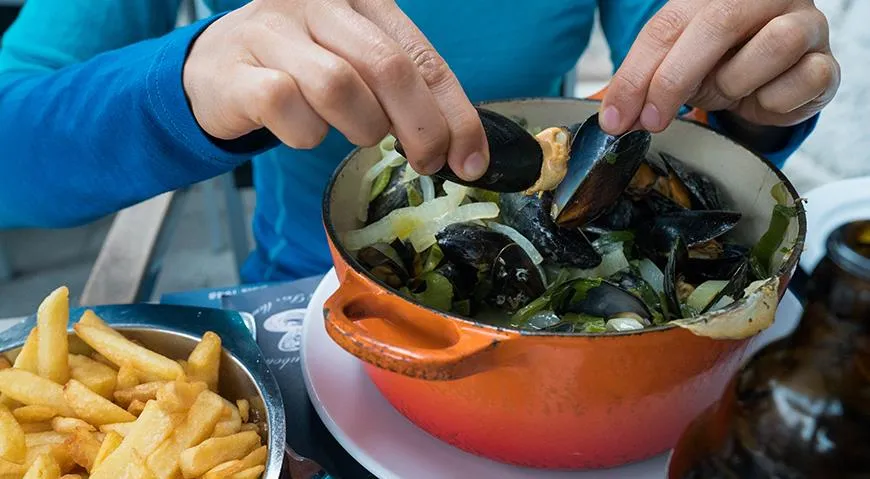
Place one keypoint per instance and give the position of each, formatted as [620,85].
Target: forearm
[95,137]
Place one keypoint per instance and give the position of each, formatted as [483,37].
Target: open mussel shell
[723,267]
[471,245]
[529,215]
[657,234]
[676,264]
[516,281]
[397,194]
[600,299]
[385,264]
[600,168]
[515,156]
[705,194]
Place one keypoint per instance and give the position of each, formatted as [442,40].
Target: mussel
[704,193]
[385,264]
[658,233]
[397,194]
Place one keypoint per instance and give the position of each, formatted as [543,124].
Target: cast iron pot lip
[352,262]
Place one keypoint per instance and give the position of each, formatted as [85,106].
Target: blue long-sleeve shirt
[93,116]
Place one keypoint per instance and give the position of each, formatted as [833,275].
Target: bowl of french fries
[136,391]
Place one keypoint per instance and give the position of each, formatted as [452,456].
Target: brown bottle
[801,406]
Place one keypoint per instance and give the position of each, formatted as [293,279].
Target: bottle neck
[841,282]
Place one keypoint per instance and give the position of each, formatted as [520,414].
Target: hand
[297,66]
[768,62]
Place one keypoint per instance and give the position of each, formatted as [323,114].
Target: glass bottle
[800,408]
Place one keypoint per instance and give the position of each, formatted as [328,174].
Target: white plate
[828,207]
[390,446]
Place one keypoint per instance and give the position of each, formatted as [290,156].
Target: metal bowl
[174,331]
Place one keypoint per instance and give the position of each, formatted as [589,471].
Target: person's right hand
[297,66]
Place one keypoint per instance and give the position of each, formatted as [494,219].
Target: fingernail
[650,117]
[610,119]
[474,166]
[431,167]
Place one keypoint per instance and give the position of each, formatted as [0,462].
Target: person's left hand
[766,61]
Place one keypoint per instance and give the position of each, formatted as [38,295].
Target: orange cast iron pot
[546,400]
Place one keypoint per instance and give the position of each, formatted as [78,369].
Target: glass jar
[800,408]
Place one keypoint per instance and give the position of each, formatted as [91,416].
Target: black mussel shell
[600,168]
[601,299]
[676,264]
[656,235]
[463,279]
[734,288]
[396,195]
[382,261]
[619,217]
[656,204]
[406,253]
[530,216]
[516,280]
[733,256]
[471,245]
[515,156]
[637,286]
[705,194]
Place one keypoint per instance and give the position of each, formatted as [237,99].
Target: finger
[468,152]
[622,103]
[391,75]
[330,84]
[775,49]
[809,80]
[272,99]
[709,36]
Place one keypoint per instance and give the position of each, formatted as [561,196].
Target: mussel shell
[699,270]
[471,245]
[515,156]
[738,281]
[384,263]
[394,196]
[657,234]
[619,217]
[604,301]
[529,215]
[516,280]
[705,194]
[463,279]
[677,259]
[599,169]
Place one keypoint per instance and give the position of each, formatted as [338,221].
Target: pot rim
[359,269]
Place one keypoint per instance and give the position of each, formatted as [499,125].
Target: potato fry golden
[32,390]
[255,458]
[42,438]
[120,428]
[4,363]
[90,318]
[12,445]
[83,448]
[178,396]
[199,422]
[127,378]
[98,377]
[150,430]
[203,364]
[124,352]
[92,407]
[136,407]
[11,470]
[26,414]
[143,392]
[250,473]
[61,455]
[44,467]
[250,426]
[27,359]
[29,427]
[244,409]
[198,460]
[102,360]
[230,423]
[108,446]
[68,425]
[72,476]
[52,319]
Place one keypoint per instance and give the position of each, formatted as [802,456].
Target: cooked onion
[428,188]
[612,262]
[424,235]
[704,293]
[652,275]
[519,239]
[623,324]
[391,159]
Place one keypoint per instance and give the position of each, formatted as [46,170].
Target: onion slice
[391,159]
[424,236]
[652,275]
[428,188]
[519,239]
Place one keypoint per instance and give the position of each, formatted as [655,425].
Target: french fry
[4,363]
[151,428]
[255,458]
[68,425]
[83,448]
[127,378]
[136,407]
[58,451]
[90,318]
[52,319]
[102,360]
[108,446]
[27,359]
[244,409]
[250,426]
[92,407]
[50,438]
[120,428]
[30,427]
[71,476]
[98,377]
[250,473]
[26,414]
[203,364]
[230,423]
[11,470]
[44,467]
[124,352]
[198,460]
[12,445]
[143,392]
[136,468]
[197,425]
[32,390]
[178,396]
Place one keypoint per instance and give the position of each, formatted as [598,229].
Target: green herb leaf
[380,183]
[437,292]
[761,257]
[595,326]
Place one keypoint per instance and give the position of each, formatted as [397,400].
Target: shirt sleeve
[622,20]
[91,123]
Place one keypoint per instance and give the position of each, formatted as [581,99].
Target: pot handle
[354,301]
[694,114]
